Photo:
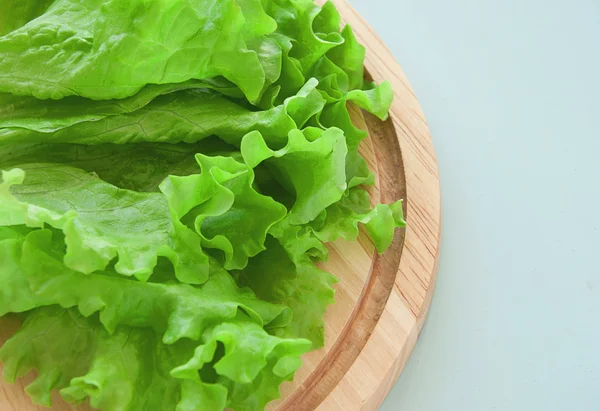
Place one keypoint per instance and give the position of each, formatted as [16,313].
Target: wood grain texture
[381,300]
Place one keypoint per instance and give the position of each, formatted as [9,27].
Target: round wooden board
[381,300]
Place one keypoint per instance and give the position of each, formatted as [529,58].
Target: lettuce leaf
[252,366]
[58,343]
[215,201]
[124,46]
[294,281]
[15,293]
[132,370]
[171,174]
[294,165]
[341,220]
[185,116]
[136,167]
[173,309]
[314,29]
[101,222]
[16,13]
[38,115]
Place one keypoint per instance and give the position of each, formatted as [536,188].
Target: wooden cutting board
[381,300]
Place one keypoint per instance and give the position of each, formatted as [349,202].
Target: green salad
[171,173]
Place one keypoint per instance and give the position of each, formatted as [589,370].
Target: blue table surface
[511,91]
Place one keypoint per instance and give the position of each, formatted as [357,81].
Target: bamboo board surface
[381,300]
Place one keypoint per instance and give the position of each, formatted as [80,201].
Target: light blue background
[511,90]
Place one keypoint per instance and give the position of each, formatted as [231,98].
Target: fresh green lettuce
[111,49]
[132,369]
[101,222]
[171,172]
